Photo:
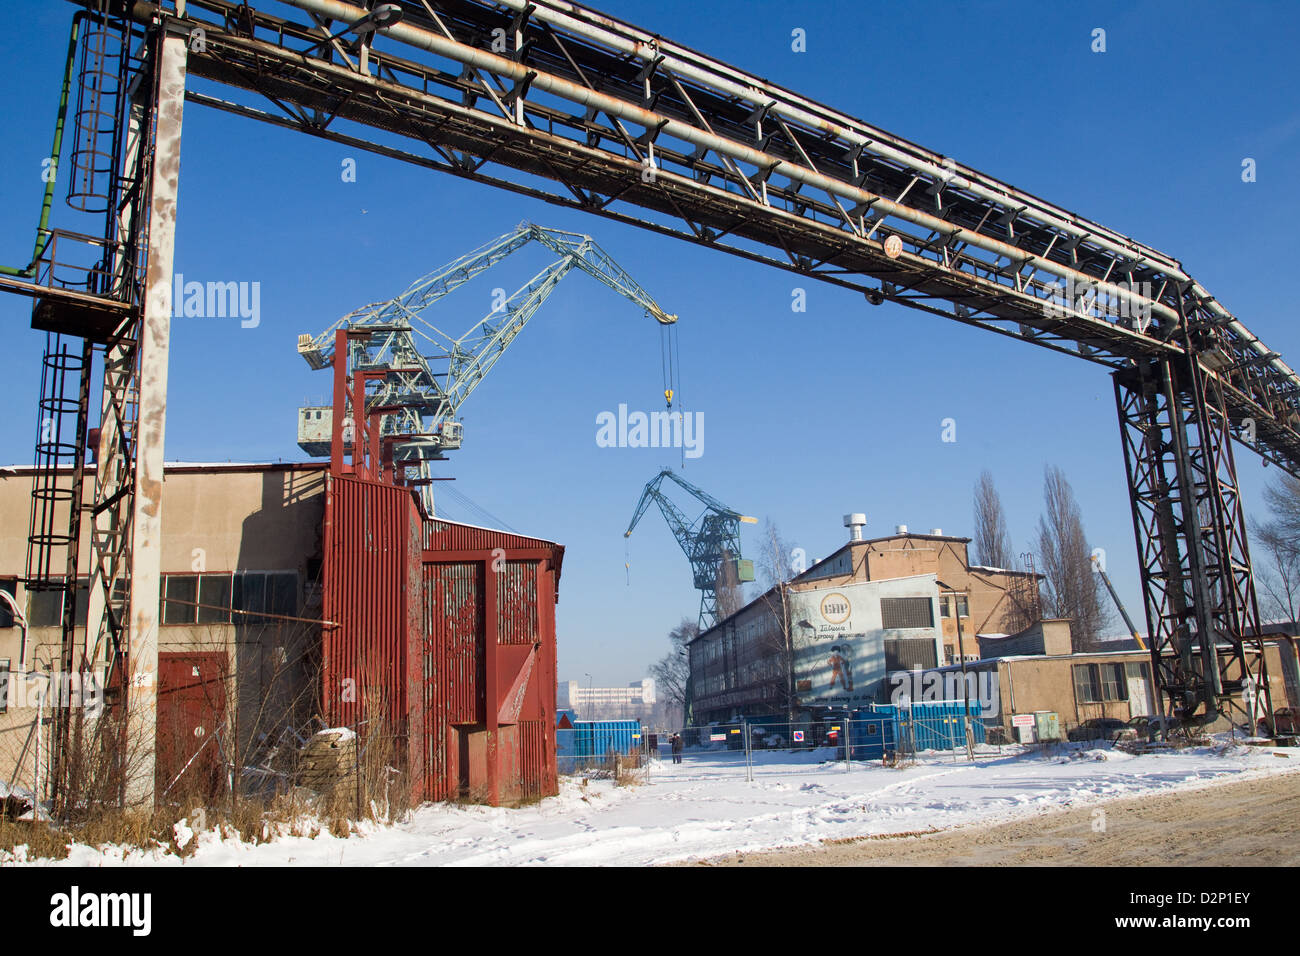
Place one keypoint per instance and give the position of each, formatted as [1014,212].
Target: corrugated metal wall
[367,529]
[447,633]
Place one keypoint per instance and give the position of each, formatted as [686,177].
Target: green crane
[711,541]
[419,406]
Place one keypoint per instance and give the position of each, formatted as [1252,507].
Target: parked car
[1153,726]
[1286,720]
[1102,728]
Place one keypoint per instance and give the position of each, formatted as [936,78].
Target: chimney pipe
[854,523]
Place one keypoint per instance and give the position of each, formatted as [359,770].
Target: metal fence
[884,736]
[877,736]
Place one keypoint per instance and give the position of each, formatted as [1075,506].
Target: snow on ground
[706,807]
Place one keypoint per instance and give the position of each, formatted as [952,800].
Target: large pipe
[794,107]
[423,39]
[604,30]
[441,46]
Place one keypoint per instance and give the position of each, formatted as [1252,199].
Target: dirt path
[1245,822]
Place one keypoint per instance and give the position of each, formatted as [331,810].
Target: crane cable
[670,362]
[666,341]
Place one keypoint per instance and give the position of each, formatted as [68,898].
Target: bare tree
[779,564]
[992,540]
[1072,589]
[1278,540]
[778,561]
[672,672]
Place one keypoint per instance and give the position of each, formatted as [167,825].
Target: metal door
[192,737]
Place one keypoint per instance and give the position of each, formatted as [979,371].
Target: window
[45,607]
[949,653]
[1113,684]
[208,598]
[1098,683]
[268,592]
[1087,686]
[181,594]
[10,587]
[79,611]
[214,599]
[4,686]
[945,606]
[906,612]
[963,610]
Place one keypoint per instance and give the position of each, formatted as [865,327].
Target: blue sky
[807,415]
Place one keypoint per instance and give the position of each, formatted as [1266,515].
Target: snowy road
[705,807]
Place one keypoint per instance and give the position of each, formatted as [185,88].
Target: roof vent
[901,529]
[854,523]
[937,532]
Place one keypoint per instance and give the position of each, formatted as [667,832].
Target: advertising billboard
[839,642]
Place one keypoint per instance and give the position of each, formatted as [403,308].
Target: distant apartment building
[636,700]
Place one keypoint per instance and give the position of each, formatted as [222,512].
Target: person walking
[676,742]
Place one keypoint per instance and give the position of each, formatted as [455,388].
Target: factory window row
[208,598]
[1099,683]
[218,598]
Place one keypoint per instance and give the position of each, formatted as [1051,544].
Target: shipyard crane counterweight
[711,542]
[415,406]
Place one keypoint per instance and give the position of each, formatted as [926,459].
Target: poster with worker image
[839,652]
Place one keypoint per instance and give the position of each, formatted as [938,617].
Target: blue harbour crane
[711,541]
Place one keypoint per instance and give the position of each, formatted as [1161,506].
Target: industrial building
[1010,689]
[903,601]
[293,599]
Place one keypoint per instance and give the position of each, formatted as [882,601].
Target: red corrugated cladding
[368,527]
[450,631]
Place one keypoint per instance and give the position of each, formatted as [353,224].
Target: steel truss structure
[561,103]
[414,407]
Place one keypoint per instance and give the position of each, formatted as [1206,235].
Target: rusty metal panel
[517,610]
[533,762]
[488,663]
[440,535]
[417,721]
[455,617]
[367,528]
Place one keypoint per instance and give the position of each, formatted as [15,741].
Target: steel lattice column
[1202,615]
